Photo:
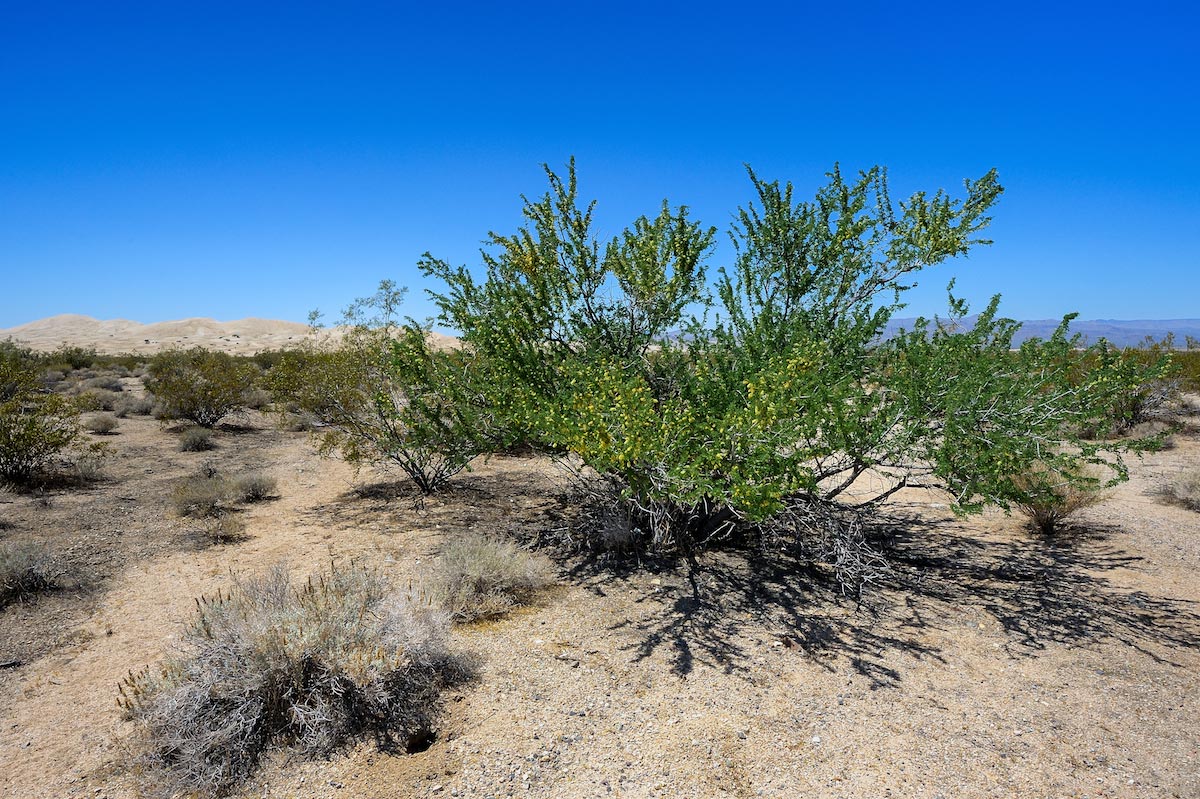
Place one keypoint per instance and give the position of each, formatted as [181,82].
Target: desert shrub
[102,424]
[104,383]
[51,378]
[199,385]
[1049,495]
[73,357]
[196,439]
[223,529]
[99,400]
[89,466]
[255,487]
[1130,386]
[382,394]
[36,426]
[789,407]
[256,399]
[204,495]
[313,666]
[26,570]
[133,406]
[478,576]
[1184,490]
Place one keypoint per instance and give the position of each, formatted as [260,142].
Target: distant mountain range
[1119,332]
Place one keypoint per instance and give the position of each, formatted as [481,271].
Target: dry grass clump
[1050,496]
[255,487]
[102,424]
[196,439]
[25,570]
[314,667]
[1184,490]
[205,495]
[89,467]
[478,576]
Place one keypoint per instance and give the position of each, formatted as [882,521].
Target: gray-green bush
[312,666]
[26,570]
[196,439]
[479,576]
[1184,489]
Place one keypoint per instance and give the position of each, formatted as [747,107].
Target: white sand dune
[123,335]
[113,336]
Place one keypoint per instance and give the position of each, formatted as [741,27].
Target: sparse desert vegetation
[314,666]
[769,539]
[480,576]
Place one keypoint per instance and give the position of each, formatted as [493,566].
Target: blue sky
[170,159]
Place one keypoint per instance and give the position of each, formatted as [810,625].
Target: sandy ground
[997,664]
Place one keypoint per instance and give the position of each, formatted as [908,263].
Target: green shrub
[383,395]
[785,406]
[196,439]
[199,385]
[26,570]
[102,424]
[36,426]
[73,358]
[268,664]
[478,576]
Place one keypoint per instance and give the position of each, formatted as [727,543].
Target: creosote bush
[382,394]
[199,385]
[36,425]
[26,570]
[772,407]
[479,576]
[313,666]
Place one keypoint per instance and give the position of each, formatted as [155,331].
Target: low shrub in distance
[199,385]
[478,576]
[313,666]
[255,487]
[196,439]
[102,424]
[203,496]
[1184,490]
[133,406]
[25,570]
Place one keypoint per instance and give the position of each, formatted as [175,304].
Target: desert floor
[996,664]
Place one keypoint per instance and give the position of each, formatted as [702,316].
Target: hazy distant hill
[1120,332]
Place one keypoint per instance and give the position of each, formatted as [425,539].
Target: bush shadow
[1042,592]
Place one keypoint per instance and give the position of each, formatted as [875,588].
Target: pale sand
[115,336]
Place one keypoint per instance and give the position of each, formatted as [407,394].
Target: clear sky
[161,160]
